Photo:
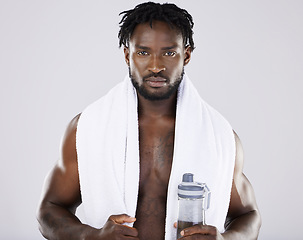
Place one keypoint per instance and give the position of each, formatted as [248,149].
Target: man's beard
[156,96]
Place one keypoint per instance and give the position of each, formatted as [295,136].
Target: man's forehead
[158,32]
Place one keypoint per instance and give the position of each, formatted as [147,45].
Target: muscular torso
[156,153]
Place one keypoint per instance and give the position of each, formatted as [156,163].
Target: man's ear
[187,54]
[126,55]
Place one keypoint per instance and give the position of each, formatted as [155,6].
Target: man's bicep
[242,199]
[242,194]
[62,186]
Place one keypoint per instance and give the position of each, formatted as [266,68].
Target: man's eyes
[168,54]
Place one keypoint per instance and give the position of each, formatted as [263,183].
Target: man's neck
[157,109]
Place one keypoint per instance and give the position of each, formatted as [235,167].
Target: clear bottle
[193,200]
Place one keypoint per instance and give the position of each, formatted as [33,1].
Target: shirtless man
[158,51]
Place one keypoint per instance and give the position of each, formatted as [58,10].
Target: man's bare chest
[156,153]
[156,145]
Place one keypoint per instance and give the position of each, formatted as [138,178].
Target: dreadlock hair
[148,12]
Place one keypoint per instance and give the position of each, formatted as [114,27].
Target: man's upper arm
[242,195]
[62,186]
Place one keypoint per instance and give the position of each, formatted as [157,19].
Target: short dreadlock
[150,11]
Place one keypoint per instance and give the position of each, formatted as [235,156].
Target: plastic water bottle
[193,199]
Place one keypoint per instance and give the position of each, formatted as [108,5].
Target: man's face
[156,57]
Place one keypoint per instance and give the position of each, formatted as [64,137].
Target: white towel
[108,155]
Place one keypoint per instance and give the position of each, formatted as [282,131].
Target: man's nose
[155,65]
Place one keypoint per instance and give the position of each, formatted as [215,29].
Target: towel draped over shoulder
[108,155]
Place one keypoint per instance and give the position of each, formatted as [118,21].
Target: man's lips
[156,82]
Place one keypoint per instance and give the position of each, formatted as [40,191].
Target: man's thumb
[122,218]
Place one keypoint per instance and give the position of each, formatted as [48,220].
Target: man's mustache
[155,75]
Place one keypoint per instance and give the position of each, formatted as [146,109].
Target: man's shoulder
[72,126]
[70,132]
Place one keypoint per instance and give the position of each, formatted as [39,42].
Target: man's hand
[200,232]
[113,228]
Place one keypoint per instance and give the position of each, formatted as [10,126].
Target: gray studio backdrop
[56,57]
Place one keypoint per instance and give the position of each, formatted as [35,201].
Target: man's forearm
[56,222]
[244,227]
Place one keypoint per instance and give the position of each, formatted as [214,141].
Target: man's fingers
[198,237]
[127,231]
[122,218]
[199,229]
[115,227]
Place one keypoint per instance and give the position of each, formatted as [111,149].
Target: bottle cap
[188,177]
[193,190]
